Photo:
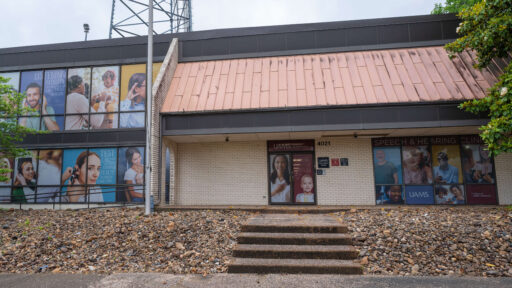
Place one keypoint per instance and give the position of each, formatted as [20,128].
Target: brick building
[342,113]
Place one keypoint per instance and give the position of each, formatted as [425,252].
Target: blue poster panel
[25,179]
[419,195]
[102,170]
[50,162]
[77,99]
[131,173]
[389,194]
[450,194]
[132,120]
[417,165]
[31,85]
[54,91]
[387,165]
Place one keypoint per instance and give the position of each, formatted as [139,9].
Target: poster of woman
[131,173]
[417,165]
[25,179]
[280,180]
[477,165]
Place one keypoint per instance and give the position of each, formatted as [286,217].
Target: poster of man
[25,179]
[31,85]
[77,100]
[417,165]
[387,165]
[446,161]
[280,178]
[105,94]
[477,165]
[131,173]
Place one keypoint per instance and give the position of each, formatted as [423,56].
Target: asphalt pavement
[156,280]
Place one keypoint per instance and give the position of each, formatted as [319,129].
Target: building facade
[342,113]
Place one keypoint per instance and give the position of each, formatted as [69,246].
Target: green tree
[453,6]
[486,28]
[11,105]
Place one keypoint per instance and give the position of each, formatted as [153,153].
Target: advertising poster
[419,195]
[54,91]
[303,181]
[32,86]
[53,99]
[133,87]
[13,79]
[77,99]
[130,172]
[416,161]
[132,120]
[481,194]
[447,164]
[74,171]
[280,178]
[477,165]
[5,189]
[387,165]
[389,194]
[106,159]
[105,96]
[50,163]
[25,179]
[450,194]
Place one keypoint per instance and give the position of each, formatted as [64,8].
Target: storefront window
[451,170]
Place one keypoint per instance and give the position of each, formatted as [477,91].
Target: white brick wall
[503,167]
[233,173]
[346,185]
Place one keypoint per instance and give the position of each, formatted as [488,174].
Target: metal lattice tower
[129,17]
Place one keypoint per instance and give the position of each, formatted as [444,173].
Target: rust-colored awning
[383,76]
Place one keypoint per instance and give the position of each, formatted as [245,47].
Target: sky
[35,22]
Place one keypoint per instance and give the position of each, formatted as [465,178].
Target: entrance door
[291,172]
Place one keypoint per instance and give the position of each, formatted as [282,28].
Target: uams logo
[419,194]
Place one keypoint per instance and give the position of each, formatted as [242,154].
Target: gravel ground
[433,240]
[117,240]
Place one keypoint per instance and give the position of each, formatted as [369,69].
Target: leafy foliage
[453,6]
[486,28]
[11,105]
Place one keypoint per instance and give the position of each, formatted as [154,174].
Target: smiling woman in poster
[280,179]
[87,163]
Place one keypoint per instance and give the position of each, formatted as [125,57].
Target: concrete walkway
[241,280]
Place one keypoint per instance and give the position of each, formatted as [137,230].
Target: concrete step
[306,266]
[286,223]
[295,238]
[345,252]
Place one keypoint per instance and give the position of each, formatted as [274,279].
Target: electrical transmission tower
[169,16]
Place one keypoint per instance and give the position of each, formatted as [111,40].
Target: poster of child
[477,165]
[307,195]
[105,94]
[450,194]
[417,165]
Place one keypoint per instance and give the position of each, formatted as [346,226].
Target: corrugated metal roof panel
[383,76]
